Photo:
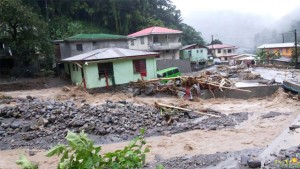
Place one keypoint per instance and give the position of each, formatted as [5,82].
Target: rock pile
[41,123]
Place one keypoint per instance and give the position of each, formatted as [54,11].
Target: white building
[159,39]
[224,52]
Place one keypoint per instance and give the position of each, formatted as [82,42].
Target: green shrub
[80,152]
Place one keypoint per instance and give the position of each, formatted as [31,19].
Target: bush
[80,152]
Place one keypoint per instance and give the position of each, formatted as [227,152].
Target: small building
[195,53]
[158,39]
[223,52]
[284,50]
[83,43]
[110,66]
[243,58]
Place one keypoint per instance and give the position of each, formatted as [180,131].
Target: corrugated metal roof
[154,30]
[188,46]
[277,45]
[220,46]
[94,37]
[109,53]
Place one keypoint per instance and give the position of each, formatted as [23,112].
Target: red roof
[154,30]
[220,46]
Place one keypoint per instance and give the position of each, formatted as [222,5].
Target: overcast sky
[272,8]
[237,22]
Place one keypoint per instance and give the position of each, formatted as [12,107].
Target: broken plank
[184,109]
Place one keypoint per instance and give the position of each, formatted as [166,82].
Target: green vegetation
[216,41]
[28,27]
[25,163]
[265,57]
[80,152]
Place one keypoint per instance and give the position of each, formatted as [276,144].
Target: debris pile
[33,122]
[184,85]
[248,75]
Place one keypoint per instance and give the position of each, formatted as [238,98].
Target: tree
[26,33]
[216,41]
[190,35]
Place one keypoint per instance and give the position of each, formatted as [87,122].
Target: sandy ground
[255,132]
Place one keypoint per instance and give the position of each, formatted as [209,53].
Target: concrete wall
[68,49]
[137,43]
[184,66]
[256,91]
[169,54]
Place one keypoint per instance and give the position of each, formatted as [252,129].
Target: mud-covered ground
[37,123]
[245,125]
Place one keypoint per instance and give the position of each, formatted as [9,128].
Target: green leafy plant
[81,153]
[25,163]
[132,156]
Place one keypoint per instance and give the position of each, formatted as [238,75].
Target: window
[139,66]
[73,67]
[142,40]
[229,51]
[132,42]
[190,53]
[219,50]
[179,39]
[197,51]
[170,72]
[76,67]
[201,51]
[155,38]
[94,43]
[79,47]
[175,71]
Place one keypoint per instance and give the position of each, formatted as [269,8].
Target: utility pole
[282,38]
[212,45]
[296,52]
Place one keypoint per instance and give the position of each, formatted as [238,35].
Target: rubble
[41,123]
[185,86]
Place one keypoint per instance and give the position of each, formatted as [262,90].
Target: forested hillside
[66,17]
[29,26]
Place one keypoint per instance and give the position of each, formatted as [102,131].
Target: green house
[195,53]
[110,66]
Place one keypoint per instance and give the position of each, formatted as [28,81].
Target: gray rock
[26,128]
[254,163]
[150,89]
[293,127]
[101,131]
[124,136]
[136,92]
[2,132]
[15,125]
[29,97]
[244,160]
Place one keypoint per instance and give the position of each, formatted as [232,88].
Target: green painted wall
[92,77]
[196,54]
[75,74]
[123,73]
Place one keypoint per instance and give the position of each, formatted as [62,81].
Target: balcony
[164,46]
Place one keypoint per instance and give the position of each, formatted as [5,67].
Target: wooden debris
[205,81]
[159,105]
